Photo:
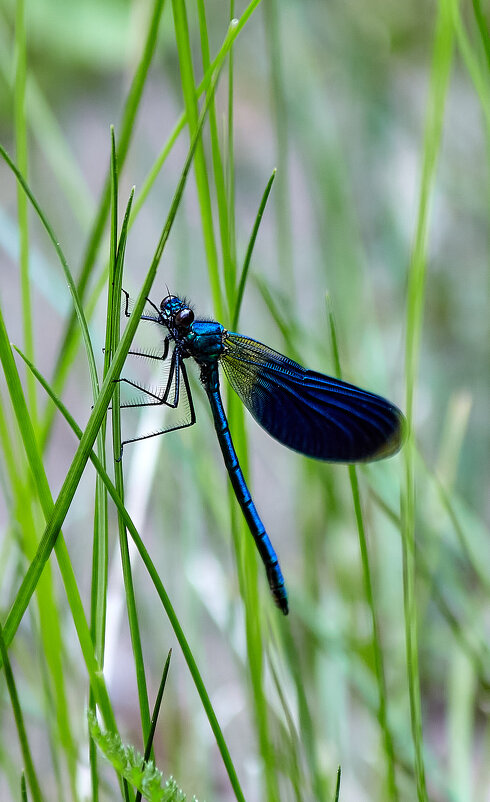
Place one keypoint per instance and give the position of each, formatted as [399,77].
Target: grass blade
[368,586]
[189,92]
[229,267]
[19,721]
[248,255]
[112,339]
[127,127]
[21,149]
[71,284]
[155,714]
[166,603]
[279,109]
[34,572]
[442,60]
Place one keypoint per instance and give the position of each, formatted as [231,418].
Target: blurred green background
[337,97]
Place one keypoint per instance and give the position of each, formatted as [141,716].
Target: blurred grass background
[377,118]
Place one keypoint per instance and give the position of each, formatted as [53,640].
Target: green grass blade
[461,630]
[21,148]
[66,358]
[48,133]
[229,268]
[100,557]
[46,639]
[54,653]
[306,723]
[279,109]
[157,706]
[166,603]
[247,564]
[71,338]
[189,92]
[280,318]
[61,159]
[182,121]
[154,717]
[100,554]
[35,570]
[113,327]
[19,721]
[392,789]
[248,255]
[71,284]
[483,29]
[127,127]
[291,763]
[473,558]
[99,411]
[337,787]
[230,156]
[442,60]
[23,788]
[477,70]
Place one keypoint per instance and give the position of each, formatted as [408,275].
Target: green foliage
[129,764]
[377,118]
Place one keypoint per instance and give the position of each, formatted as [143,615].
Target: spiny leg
[179,368]
[148,355]
[159,398]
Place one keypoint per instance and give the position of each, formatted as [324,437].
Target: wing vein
[312,413]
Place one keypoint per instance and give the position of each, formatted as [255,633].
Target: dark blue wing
[314,414]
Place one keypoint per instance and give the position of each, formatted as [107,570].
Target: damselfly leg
[174,393]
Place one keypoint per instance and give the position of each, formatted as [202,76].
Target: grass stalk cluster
[359,654]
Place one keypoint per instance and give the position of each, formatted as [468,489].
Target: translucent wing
[314,414]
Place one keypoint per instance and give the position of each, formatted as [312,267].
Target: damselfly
[317,415]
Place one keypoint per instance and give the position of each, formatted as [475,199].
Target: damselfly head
[176,312]
[170,306]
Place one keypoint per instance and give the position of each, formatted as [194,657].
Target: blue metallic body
[210,379]
[317,415]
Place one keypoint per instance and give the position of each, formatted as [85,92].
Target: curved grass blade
[200,169]
[21,151]
[127,126]
[27,588]
[71,284]
[235,28]
[166,603]
[368,585]
[112,340]
[19,721]
[155,714]
[248,255]
[337,787]
[182,121]
[229,267]
[99,410]
[483,29]
[442,58]
[279,108]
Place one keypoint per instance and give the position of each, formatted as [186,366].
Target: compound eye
[184,318]
[168,302]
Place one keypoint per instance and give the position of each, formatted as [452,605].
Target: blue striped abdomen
[210,379]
